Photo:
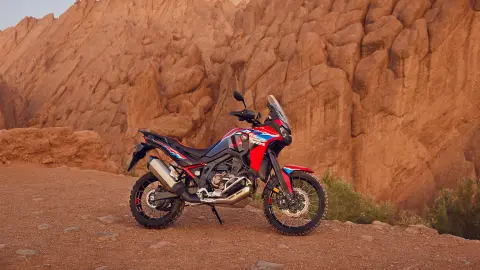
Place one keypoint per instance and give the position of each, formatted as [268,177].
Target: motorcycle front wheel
[304,213]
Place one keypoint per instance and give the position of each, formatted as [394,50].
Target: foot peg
[216,214]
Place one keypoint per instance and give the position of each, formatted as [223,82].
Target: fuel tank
[236,140]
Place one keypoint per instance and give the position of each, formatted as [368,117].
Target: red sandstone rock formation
[54,147]
[385,92]
[12,105]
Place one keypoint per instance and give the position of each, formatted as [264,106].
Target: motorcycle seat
[192,152]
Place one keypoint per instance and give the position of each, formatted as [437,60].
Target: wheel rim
[305,209]
[152,209]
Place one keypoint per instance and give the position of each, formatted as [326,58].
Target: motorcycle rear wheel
[143,210]
[311,204]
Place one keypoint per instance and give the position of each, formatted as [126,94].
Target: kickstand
[216,214]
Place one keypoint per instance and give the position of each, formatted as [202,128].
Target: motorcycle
[227,173]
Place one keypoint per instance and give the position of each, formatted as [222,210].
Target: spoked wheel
[151,213]
[304,213]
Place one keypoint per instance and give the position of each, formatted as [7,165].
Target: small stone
[47,160]
[454,237]
[336,230]
[283,246]
[37,212]
[2,246]
[27,252]
[424,228]
[467,262]
[38,199]
[252,209]
[85,217]
[266,265]
[379,223]
[349,223]
[107,236]
[108,219]
[160,244]
[44,226]
[71,229]
[411,230]
[101,268]
[368,238]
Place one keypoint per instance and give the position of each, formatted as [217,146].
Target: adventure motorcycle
[227,173]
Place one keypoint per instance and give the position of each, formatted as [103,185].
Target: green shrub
[458,212]
[345,204]
[408,217]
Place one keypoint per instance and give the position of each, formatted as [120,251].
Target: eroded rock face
[55,147]
[382,91]
[12,105]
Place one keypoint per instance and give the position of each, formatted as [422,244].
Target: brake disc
[156,204]
[301,197]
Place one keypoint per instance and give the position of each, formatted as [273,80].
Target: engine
[219,180]
[227,178]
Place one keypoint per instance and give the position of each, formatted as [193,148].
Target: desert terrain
[67,218]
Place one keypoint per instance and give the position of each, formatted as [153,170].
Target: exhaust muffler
[163,174]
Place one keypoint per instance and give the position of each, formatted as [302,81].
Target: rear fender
[140,152]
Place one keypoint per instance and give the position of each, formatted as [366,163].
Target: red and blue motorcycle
[227,174]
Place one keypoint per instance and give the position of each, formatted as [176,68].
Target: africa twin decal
[260,137]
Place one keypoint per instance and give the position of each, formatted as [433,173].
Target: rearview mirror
[238,96]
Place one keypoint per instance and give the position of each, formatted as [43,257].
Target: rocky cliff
[54,147]
[385,92]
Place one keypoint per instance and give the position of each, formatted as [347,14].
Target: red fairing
[286,178]
[279,122]
[260,137]
[298,168]
[256,157]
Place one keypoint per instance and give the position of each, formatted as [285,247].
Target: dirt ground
[66,218]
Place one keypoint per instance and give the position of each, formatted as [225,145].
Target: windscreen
[278,109]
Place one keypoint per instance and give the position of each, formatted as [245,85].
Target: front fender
[289,169]
[286,172]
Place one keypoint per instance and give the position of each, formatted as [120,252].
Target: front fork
[283,178]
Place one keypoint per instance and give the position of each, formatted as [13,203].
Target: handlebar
[246,115]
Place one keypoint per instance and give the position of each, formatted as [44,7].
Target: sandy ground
[37,205]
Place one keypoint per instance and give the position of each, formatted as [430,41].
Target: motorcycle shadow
[201,217]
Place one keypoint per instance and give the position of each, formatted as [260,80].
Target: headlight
[284,132]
